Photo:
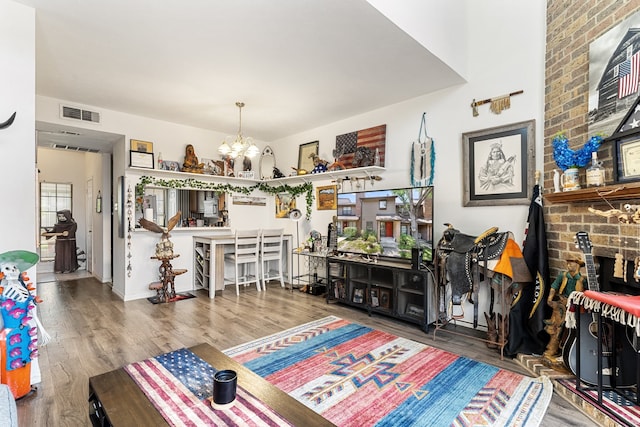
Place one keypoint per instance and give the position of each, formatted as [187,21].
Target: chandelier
[238,146]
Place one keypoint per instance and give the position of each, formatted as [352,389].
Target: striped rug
[354,375]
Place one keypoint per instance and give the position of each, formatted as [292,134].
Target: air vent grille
[72,148]
[75,113]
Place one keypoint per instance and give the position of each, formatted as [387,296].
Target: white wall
[17,142]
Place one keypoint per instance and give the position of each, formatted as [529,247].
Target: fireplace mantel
[621,191]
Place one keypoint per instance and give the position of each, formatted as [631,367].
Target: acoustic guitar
[590,336]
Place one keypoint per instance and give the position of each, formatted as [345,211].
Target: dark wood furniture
[116,400]
[384,287]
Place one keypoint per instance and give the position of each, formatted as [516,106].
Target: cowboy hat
[575,258]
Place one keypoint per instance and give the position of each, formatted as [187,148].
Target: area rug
[179,297]
[354,375]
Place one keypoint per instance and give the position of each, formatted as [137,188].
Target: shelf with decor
[363,172]
[620,191]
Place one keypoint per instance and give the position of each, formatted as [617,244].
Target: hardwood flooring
[94,332]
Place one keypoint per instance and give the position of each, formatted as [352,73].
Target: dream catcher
[423,156]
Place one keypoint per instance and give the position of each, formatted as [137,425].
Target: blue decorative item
[567,158]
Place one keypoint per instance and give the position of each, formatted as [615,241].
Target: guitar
[590,336]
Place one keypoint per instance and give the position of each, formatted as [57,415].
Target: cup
[224,386]
[199,223]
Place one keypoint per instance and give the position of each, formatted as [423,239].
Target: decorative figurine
[19,335]
[66,258]
[164,249]
[191,163]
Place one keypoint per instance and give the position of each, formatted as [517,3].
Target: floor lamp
[296,215]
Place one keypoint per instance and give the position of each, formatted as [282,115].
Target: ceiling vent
[75,113]
[72,148]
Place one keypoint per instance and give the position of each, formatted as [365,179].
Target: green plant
[194,184]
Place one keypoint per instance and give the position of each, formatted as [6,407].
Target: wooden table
[122,403]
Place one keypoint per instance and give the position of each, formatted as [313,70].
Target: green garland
[194,184]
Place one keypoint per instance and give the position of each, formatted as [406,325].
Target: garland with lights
[194,184]
[567,158]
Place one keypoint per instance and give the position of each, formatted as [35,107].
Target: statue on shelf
[191,163]
[66,258]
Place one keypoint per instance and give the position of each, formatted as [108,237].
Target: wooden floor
[93,332]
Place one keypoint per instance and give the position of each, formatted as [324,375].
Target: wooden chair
[246,252]
[270,253]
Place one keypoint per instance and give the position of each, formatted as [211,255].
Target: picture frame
[138,159]
[304,152]
[414,310]
[358,295]
[498,165]
[627,159]
[374,298]
[141,146]
[327,198]
[171,165]
[385,298]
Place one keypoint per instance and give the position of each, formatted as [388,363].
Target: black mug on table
[225,383]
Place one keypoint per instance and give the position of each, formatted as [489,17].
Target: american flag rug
[180,386]
[354,375]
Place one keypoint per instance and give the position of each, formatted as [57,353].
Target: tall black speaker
[416,258]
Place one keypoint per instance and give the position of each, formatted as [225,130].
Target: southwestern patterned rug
[357,376]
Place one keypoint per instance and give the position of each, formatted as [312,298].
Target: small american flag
[629,71]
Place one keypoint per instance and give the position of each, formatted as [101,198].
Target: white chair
[271,252]
[247,252]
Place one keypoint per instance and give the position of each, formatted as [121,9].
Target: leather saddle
[460,256]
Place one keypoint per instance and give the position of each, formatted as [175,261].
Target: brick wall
[571,26]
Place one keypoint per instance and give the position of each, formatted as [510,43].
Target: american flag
[628,73]
[372,138]
[633,121]
[180,386]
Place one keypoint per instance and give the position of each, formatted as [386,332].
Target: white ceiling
[297,64]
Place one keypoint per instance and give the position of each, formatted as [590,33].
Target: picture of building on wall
[285,202]
[614,71]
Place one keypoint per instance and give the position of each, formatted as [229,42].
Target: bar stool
[270,252]
[247,252]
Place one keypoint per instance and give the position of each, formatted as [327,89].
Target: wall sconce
[99,202]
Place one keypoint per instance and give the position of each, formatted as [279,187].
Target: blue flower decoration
[567,158]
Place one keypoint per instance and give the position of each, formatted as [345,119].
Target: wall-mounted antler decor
[9,121]
[498,104]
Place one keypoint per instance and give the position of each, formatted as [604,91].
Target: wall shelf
[364,172]
[621,191]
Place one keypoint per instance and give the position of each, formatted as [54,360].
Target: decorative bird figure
[164,249]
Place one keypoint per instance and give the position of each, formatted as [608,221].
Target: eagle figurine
[164,248]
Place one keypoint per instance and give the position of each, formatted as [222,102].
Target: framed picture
[327,198]
[358,295]
[498,165]
[627,159]
[285,202]
[385,298]
[141,146]
[305,155]
[141,159]
[375,299]
[170,165]
[414,310]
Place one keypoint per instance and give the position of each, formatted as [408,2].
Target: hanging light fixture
[238,146]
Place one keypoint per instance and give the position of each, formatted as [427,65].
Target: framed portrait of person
[498,165]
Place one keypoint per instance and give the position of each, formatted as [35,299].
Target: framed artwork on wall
[327,198]
[305,155]
[498,165]
[141,159]
[141,146]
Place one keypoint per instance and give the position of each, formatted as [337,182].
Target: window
[53,198]
[346,210]
[382,204]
